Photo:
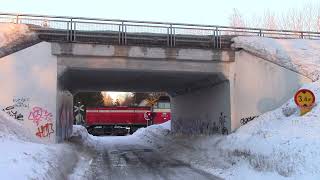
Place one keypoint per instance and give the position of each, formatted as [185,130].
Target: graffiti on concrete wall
[13,112]
[222,121]
[204,125]
[215,128]
[42,118]
[15,109]
[21,102]
[244,121]
[39,114]
[45,130]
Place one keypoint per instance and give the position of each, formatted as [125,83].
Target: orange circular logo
[304,98]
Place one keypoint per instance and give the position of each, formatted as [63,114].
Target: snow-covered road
[279,145]
[135,160]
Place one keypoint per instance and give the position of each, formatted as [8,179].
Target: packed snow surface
[299,55]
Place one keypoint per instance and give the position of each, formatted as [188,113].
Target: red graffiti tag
[38,114]
[45,130]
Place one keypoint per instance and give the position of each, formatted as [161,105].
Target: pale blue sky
[185,11]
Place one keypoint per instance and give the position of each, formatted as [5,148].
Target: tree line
[304,18]
[97,99]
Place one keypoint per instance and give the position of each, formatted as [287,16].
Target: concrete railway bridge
[212,85]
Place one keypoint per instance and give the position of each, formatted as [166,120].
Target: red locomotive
[123,119]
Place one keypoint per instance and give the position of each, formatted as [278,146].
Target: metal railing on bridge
[123,32]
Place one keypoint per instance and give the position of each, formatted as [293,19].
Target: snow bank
[157,128]
[23,157]
[10,32]
[280,142]
[14,37]
[81,135]
[299,55]
[154,134]
[13,130]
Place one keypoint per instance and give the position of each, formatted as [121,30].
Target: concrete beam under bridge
[175,83]
[141,52]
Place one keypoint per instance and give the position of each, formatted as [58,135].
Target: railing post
[68,31]
[170,35]
[74,31]
[217,39]
[125,35]
[122,33]
[17,19]
[122,37]
[219,36]
[119,35]
[173,37]
[214,38]
[301,35]
[70,38]
[260,33]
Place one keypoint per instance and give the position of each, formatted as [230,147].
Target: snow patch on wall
[12,32]
[14,37]
[299,55]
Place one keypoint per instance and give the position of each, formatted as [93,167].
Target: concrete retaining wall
[258,86]
[205,111]
[28,81]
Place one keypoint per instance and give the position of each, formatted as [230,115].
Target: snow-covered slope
[14,37]
[299,55]
[24,157]
[10,129]
[278,141]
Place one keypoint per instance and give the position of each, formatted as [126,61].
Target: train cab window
[162,105]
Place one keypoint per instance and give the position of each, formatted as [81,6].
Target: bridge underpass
[208,82]
[175,83]
[189,82]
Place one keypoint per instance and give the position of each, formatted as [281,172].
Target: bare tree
[107,100]
[269,20]
[305,18]
[236,19]
[127,100]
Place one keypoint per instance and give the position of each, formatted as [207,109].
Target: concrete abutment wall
[205,111]
[30,95]
[254,86]
[258,86]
